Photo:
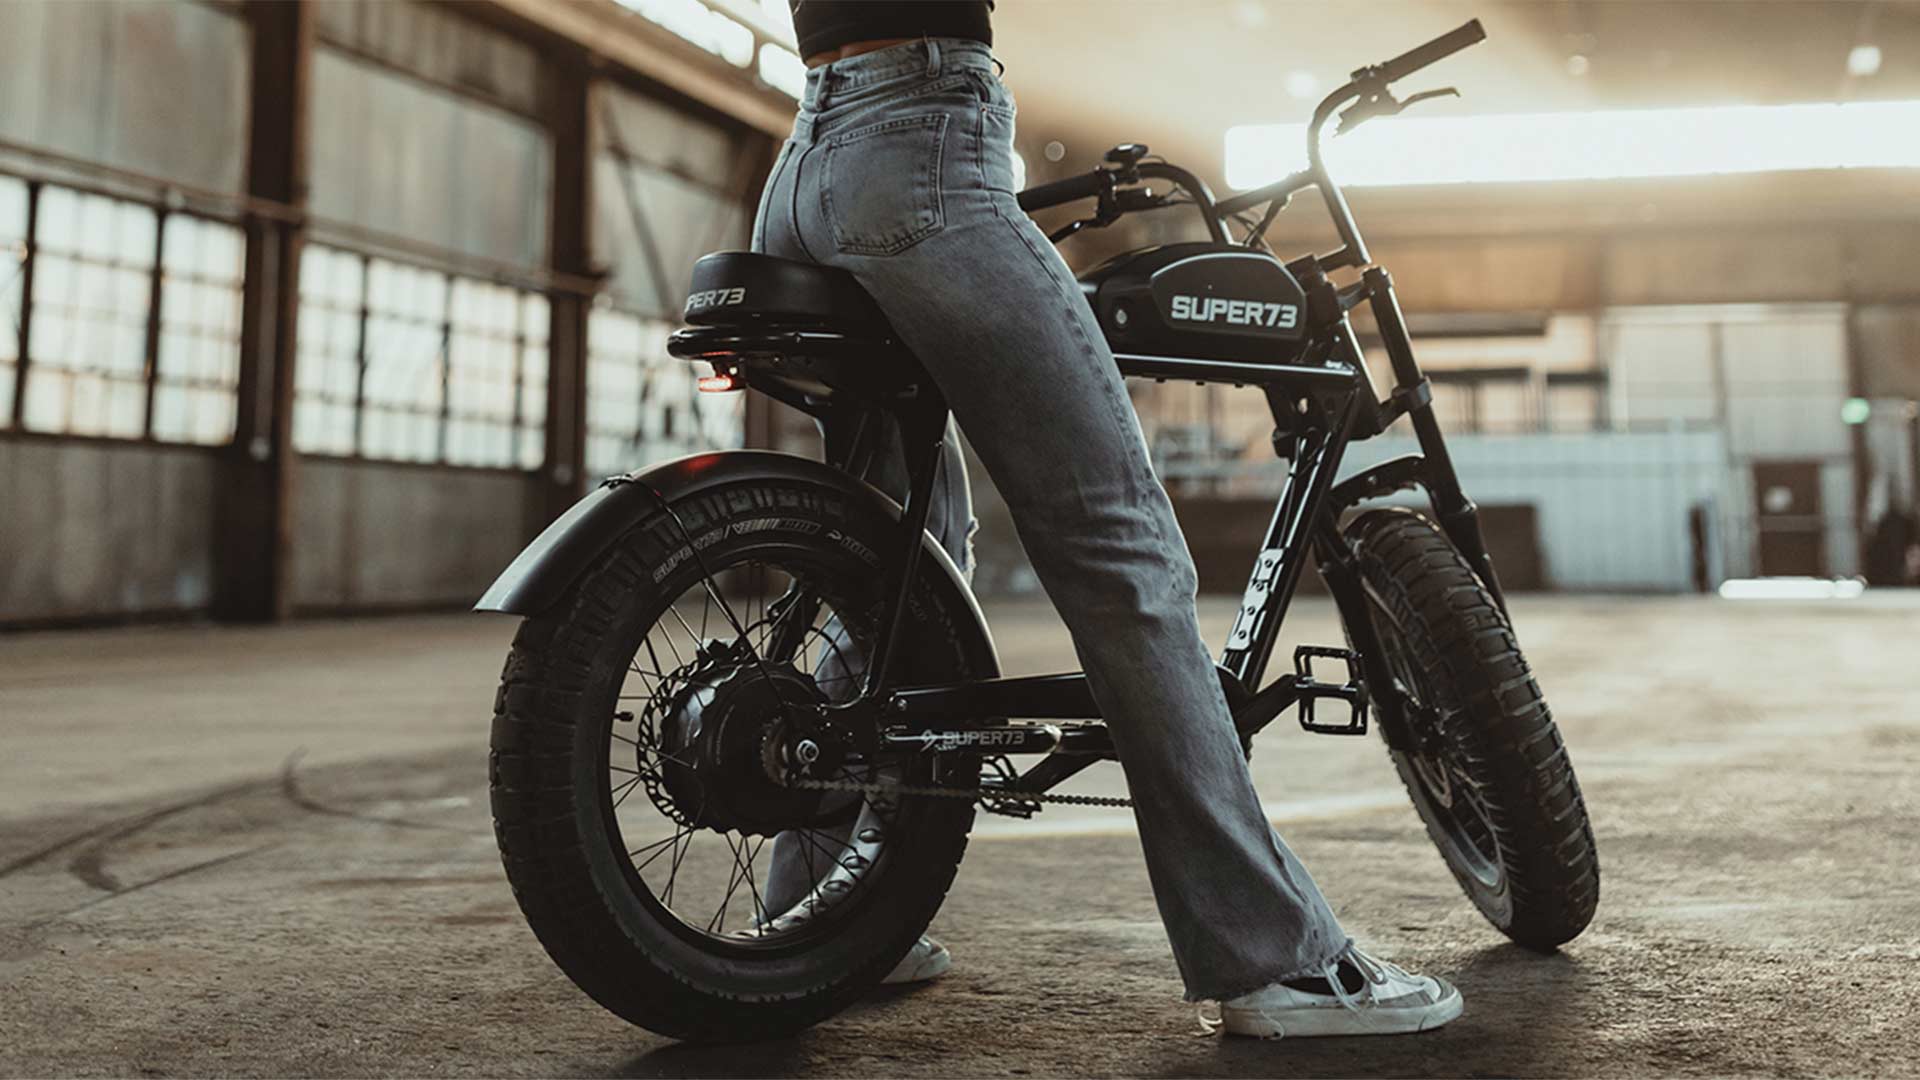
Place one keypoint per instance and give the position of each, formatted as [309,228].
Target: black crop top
[822,25]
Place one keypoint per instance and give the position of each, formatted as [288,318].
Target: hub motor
[722,745]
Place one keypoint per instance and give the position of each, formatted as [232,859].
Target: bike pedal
[1353,691]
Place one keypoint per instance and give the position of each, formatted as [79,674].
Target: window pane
[13,258]
[198,368]
[406,316]
[93,273]
[327,375]
[643,405]
[483,367]
[534,314]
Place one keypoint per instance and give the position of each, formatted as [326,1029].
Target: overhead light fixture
[1863,61]
[1578,65]
[1303,84]
[1603,145]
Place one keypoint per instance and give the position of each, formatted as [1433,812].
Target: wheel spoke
[660,845]
[673,874]
[620,793]
[787,612]
[698,640]
[753,887]
[718,924]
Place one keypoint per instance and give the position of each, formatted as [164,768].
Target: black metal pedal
[1353,691]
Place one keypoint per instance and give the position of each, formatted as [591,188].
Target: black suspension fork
[1319,439]
[1335,559]
[1459,518]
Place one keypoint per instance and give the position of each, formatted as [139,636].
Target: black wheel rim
[709,884]
[1440,765]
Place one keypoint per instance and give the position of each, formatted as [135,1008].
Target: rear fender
[562,554]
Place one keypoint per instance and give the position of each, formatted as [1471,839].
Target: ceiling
[1177,73]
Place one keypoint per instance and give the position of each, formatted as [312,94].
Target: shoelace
[1376,971]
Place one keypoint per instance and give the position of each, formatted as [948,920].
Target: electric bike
[752,708]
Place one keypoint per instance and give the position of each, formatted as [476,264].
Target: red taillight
[721,382]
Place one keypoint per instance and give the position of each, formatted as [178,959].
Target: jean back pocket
[880,190]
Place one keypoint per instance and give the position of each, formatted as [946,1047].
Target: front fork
[1456,514]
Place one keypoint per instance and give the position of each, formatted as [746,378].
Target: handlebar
[1369,86]
[1084,186]
[1432,52]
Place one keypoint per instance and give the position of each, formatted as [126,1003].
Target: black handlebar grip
[1084,186]
[1438,49]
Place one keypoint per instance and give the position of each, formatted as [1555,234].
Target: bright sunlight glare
[1608,145]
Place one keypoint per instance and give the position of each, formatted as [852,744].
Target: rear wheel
[1485,764]
[644,752]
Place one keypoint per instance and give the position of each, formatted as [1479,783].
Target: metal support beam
[254,513]
[570,251]
[23,355]
[625,40]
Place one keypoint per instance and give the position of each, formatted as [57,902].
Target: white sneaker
[1390,1001]
[928,959]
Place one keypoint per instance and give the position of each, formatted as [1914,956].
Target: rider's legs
[900,171]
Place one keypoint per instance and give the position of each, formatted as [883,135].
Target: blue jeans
[900,170]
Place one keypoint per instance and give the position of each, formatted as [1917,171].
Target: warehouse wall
[376,535]
[433,280]
[95,528]
[1612,507]
[394,153]
[102,529]
[154,88]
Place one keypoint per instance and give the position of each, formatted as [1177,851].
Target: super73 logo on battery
[1214,309]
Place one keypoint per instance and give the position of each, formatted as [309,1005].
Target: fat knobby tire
[1501,731]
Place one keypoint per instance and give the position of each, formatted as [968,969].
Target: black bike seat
[732,288]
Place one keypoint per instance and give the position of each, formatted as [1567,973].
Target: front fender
[564,551]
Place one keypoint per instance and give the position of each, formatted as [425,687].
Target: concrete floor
[268,852]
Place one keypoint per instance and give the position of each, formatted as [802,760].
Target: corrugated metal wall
[420,399]
[153,88]
[95,527]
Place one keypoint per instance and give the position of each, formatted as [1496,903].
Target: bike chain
[988,794]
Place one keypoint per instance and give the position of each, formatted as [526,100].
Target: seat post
[923,436]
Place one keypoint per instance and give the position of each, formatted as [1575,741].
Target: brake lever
[1428,95]
[1383,103]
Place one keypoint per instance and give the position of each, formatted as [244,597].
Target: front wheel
[1484,764]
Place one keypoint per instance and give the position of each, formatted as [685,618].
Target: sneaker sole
[931,968]
[1321,1023]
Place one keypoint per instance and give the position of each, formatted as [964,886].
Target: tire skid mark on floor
[159,879]
[290,789]
[88,868]
[93,849]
